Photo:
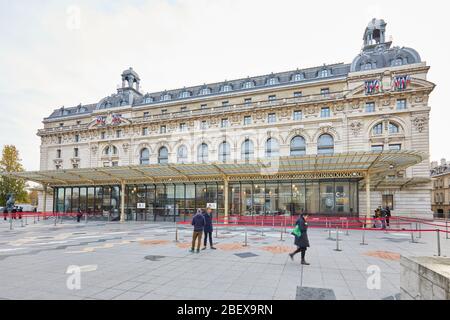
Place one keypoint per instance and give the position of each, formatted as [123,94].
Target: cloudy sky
[55,53]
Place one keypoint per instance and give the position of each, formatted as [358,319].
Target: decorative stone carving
[419,123]
[356,127]
[94,149]
[125,147]
[339,107]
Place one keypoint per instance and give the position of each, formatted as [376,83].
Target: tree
[10,162]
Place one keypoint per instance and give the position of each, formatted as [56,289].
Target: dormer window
[185,94]
[227,88]
[248,85]
[298,77]
[148,100]
[166,97]
[397,62]
[205,91]
[272,81]
[323,73]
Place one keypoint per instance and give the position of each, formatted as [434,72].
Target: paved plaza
[143,261]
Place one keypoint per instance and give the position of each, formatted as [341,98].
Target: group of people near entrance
[381,217]
[203,224]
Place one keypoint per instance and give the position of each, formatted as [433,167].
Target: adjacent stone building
[440,196]
[338,139]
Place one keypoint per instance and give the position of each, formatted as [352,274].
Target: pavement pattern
[142,260]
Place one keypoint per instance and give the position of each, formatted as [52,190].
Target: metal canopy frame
[377,165]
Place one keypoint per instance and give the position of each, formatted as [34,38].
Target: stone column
[44,205]
[225,197]
[368,206]
[122,202]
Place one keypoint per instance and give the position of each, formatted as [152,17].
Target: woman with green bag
[301,237]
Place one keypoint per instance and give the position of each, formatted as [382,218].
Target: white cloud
[44,64]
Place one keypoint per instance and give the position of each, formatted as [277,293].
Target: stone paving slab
[34,261]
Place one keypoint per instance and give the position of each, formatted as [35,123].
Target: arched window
[366,66]
[110,151]
[202,153]
[166,97]
[272,148]
[325,144]
[397,62]
[298,146]
[182,154]
[144,157]
[247,150]
[224,151]
[377,129]
[393,128]
[163,155]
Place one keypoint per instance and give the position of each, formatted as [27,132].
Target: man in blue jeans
[198,221]
[208,228]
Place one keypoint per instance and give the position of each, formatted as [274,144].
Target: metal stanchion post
[34,219]
[21,222]
[245,237]
[438,242]
[10,222]
[26,220]
[56,216]
[420,230]
[346,232]
[262,227]
[446,229]
[363,242]
[281,234]
[176,232]
[412,234]
[217,228]
[85,217]
[337,239]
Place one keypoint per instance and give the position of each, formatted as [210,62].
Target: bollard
[245,238]
[363,242]
[438,242]
[337,239]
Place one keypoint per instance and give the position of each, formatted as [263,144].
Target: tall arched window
[247,150]
[110,151]
[202,154]
[144,156]
[272,148]
[298,146]
[325,144]
[163,155]
[224,151]
[182,154]
[393,128]
[377,129]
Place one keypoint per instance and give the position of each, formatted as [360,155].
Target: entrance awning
[340,165]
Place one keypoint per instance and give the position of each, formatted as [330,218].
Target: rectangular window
[225,103]
[77,138]
[388,201]
[271,118]
[397,147]
[75,152]
[145,131]
[298,94]
[102,135]
[115,163]
[58,153]
[75,165]
[59,140]
[325,112]
[183,109]
[325,92]
[248,101]
[203,125]
[224,123]
[163,111]
[61,124]
[118,133]
[370,107]
[183,127]
[401,104]
[247,120]
[146,114]
[377,148]
[162,129]
[203,106]
[78,122]
[297,115]
[272,98]
[106,164]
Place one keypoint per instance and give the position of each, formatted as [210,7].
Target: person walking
[79,215]
[383,218]
[301,241]
[208,230]
[198,221]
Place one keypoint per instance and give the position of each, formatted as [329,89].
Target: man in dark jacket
[388,215]
[301,242]
[198,221]
[208,228]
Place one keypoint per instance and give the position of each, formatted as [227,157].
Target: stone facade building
[351,137]
[440,196]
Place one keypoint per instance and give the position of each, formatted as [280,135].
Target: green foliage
[10,162]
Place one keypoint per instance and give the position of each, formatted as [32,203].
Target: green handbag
[296,231]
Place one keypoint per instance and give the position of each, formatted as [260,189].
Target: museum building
[337,140]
